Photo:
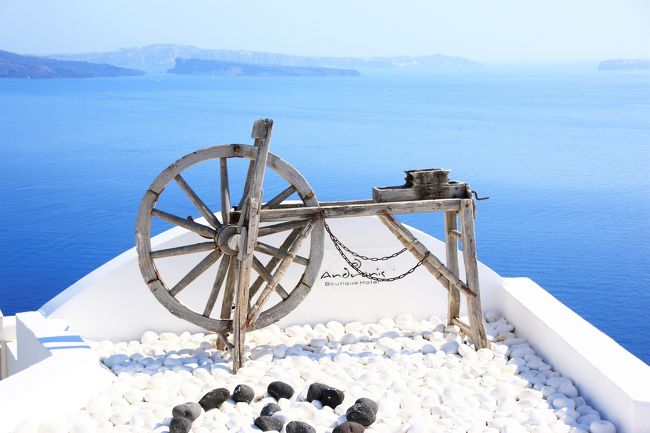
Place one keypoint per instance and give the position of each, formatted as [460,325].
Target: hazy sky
[483,30]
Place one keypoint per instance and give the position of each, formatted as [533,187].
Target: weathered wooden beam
[256,309]
[224,187]
[471,273]
[278,199]
[197,228]
[360,208]
[197,202]
[464,327]
[270,266]
[451,250]
[276,252]
[281,227]
[185,249]
[216,286]
[431,262]
[266,276]
[249,224]
[194,273]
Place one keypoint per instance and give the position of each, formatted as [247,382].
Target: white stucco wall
[612,379]
[55,372]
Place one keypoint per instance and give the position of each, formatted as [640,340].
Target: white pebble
[148,337]
[27,426]
[450,347]
[264,354]
[53,426]
[85,426]
[349,339]
[602,427]
[568,389]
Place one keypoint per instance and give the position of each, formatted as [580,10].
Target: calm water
[564,158]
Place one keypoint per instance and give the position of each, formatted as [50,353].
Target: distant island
[162,57]
[623,65]
[14,65]
[215,67]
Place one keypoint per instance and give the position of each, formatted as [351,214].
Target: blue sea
[564,156]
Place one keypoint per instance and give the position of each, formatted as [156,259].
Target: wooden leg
[451,227]
[471,273]
[420,252]
[249,225]
[241,302]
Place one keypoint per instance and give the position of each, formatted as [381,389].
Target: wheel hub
[227,239]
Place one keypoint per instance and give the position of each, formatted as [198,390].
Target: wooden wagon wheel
[224,233]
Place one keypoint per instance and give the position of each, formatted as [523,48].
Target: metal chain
[362,257]
[357,267]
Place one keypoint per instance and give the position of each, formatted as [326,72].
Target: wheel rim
[221,259]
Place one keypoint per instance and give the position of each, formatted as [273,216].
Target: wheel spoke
[270,266]
[266,275]
[197,202]
[278,199]
[225,190]
[229,292]
[279,273]
[279,253]
[195,272]
[216,287]
[281,227]
[186,249]
[197,228]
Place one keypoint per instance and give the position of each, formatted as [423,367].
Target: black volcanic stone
[243,393]
[266,423]
[270,409]
[214,398]
[331,397]
[315,390]
[299,427]
[361,414]
[370,403]
[188,410]
[349,427]
[279,390]
[180,425]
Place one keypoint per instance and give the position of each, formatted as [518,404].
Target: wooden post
[451,225]
[471,273]
[249,225]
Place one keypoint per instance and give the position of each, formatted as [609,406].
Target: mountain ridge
[162,57]
[13,65]
[216,67]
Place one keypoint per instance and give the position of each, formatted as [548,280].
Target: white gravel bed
[422,374]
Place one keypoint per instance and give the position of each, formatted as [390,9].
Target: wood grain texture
[197,228]
[471,273]
[431,263]
[197,202]
[195,272]
[451,252]
[273,262]
[362,208]
[185,249]
[277,252]
[216,286]
[281,227]
[224,188]
[278,199]
[249,222]
[279,273]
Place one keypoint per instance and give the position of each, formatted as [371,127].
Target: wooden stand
[235,239]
